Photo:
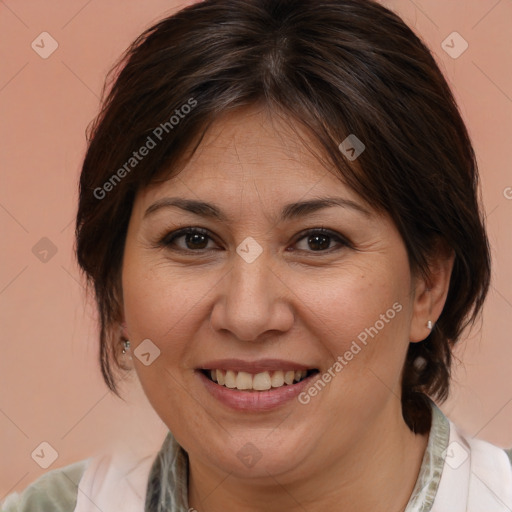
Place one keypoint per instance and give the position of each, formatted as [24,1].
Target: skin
[349,447]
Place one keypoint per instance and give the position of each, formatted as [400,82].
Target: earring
[429,325]
[126,346]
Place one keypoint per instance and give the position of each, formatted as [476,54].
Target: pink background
[51,387]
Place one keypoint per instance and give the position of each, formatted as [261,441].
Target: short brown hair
[336,67]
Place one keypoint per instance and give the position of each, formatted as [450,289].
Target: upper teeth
[259,382]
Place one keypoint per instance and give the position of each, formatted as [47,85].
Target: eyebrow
[289,212]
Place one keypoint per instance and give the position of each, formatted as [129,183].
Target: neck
[377,473]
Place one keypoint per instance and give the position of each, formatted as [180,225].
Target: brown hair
[336,67]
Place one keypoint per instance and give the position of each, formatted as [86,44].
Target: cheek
[165,305]
[164,308]
[361,315]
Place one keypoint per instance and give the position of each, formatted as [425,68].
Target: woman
[278,213]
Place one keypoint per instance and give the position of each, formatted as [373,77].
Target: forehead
[252,146]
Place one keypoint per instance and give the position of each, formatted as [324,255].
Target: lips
[251,400]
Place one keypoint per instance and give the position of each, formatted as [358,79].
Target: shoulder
[482,455]
[55,491]
[509,455]
[460,446]
[489,455]
[489,475]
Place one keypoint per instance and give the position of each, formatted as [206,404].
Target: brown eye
[194,239]
[321,240]
[197,239]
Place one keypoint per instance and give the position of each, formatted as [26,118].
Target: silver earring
[429,325]
[126,347]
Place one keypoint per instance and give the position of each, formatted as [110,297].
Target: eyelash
[168,240]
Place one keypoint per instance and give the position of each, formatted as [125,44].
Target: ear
[124,330]
[122,327]
[430,293]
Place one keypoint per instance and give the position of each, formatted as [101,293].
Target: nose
[253,301]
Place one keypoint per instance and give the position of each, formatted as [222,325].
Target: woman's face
[252,294]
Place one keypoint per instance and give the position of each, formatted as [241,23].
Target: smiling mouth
[264,381]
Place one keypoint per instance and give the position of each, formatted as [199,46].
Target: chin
[256,455]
